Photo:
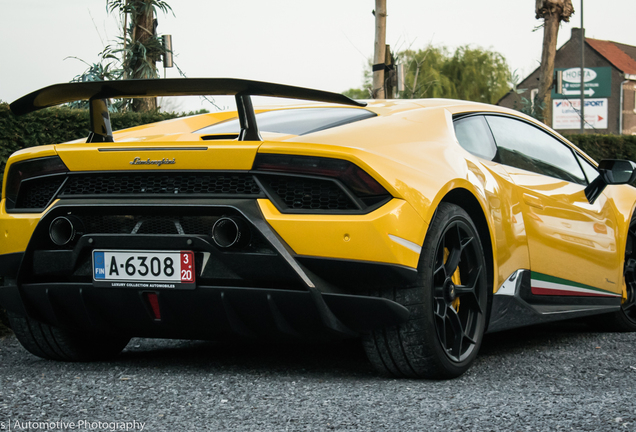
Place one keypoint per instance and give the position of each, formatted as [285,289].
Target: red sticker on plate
[187,267]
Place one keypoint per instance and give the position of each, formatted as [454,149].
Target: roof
[621,56]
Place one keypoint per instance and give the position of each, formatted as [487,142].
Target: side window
[590,171]
[474,136]
[527,147]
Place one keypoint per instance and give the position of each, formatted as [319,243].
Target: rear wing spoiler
[97,92]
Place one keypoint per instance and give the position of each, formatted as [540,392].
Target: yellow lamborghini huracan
[417,225]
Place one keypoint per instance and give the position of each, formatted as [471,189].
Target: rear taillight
[352,176]
[24,170]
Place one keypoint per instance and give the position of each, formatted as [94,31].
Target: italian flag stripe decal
[542,284]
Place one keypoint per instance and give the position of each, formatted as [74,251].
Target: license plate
[143,269]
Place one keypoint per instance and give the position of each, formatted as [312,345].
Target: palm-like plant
[135,53]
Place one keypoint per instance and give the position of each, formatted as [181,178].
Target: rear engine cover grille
[290,193]
[142,184]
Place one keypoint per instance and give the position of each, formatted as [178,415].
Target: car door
[572,244]
[474,135]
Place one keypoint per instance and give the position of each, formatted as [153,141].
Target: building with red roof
[610,87]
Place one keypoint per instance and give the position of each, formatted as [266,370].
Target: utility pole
[552,12]
[389,74]
[583,72]
[379,54]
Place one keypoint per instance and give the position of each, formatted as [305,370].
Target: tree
[426,75]
[525,105]
[478,75]
[135,53]
[467,73]
[552,12]
[141,48]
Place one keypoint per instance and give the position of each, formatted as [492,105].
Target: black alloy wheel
[628,308]
[457,305]
[629,305]
[624,320]
[447,305]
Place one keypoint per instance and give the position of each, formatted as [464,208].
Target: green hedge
[60,124]
[602,147]
[56,125]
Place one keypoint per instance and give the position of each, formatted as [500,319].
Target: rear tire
[447,306]
[54,343]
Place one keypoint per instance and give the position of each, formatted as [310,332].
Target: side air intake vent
[308,193]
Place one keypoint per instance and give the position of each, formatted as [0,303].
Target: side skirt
[523,300]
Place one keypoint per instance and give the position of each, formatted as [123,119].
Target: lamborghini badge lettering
[164,161]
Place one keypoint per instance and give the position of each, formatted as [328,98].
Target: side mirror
[612,172]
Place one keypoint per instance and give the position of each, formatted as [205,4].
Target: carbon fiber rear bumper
[205,312]
[269,292]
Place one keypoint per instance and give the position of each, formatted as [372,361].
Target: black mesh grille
[309,194]
[158,226]
[129,224]
[95,224]
[173,184]
[296,193]
[38,193]
[197,224]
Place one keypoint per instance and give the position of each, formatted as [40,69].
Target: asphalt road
[559,377]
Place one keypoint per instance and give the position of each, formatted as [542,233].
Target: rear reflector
[153,300]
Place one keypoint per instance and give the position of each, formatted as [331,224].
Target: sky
[319,44]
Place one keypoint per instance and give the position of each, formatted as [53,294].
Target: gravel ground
[559,377]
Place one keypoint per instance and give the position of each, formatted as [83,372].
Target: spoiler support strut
[247,119]
[101,130]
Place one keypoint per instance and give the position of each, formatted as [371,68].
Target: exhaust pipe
[65,229]
[230,232]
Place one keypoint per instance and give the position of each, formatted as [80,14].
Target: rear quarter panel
[415,155]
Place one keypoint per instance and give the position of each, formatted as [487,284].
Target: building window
[533,95]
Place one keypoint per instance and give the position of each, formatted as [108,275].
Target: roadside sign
[598,83]
[565,114]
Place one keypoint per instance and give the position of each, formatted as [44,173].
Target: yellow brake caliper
[456,278]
